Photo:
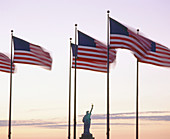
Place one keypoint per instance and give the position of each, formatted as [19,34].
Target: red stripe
[128,40]
[94,58]
[91,61]
[18,57]
[90,69]
[2,68]
[32,55]
[129,47]
[25,61]
[5,67]
[154,63]
[35,58]
[29,58]
[86,64]
[162,60]
[5,63]
[162,56]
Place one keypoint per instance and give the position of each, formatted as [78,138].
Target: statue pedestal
[87,136]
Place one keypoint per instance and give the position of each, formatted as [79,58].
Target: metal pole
[108,124]
[75,82]
[137,79]
[69,105]
[10,99]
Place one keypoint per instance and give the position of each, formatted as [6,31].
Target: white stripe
[155,62]
[94,58]
[98,50]
[2,61]
[145,42]
[157,58]
[91,57]
[22,51]
[91,48]
[98,69]
[89,63]
[8,70]
[124,46]
[131,44]
[161,46]
[160,55]
[18,52]
[29,61]
[164,52]
[31,57]
[5,65]
[89,52]
[32,62]
[120,46]
[126,37]
[111,51]
[94,53]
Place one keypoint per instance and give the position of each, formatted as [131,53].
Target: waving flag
[27,53]
[91,54]
[144,49]
[5,64]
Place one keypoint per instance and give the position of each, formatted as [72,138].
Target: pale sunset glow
[40,96]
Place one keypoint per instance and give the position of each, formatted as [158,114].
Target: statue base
[87,136]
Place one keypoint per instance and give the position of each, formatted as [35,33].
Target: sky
[40,96]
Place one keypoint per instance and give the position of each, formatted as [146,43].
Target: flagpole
[108,124]
[137,98]
[69,111]
[75,82]
[10,99]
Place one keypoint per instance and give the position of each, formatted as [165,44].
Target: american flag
[91,54]
[27,53]
[144,49]
[5,64]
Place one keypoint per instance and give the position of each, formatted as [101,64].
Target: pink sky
[42,96]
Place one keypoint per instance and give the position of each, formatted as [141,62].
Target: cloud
[152,118]
[160,116]
[147,116]
[50,124]
[37,123]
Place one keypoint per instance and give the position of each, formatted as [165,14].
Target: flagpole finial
[76,25]
[70,39]
[108,11]
[12,32]
[137,30]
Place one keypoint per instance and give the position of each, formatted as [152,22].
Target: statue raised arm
[91,108]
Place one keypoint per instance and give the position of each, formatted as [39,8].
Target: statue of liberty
[87,121]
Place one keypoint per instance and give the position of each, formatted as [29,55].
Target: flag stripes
[93,58]
[98,53]
[27,53]
[160,58]
[90,65]
[144,49]
[92,54]
[126,42]
[5,64]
